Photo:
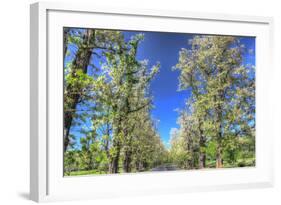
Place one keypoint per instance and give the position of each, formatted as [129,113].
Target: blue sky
[164,48]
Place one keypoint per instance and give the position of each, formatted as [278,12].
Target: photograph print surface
[140,101]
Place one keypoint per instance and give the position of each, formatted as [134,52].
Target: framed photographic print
[127,102]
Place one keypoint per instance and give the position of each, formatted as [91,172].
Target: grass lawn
[249,162]
[85,172]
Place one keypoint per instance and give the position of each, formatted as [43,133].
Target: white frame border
[39,76]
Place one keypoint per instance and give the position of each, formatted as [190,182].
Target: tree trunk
[202,148]
[138,165]
[65,37]
[202,160]
[115,161]
[127,162]
[81,61]
[219,160]
[128,152]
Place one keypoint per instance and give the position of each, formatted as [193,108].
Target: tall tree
[214,71]
[121,91]
[87,42]
[194,77]
[73,92]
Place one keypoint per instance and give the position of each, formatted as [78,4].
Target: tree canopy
[107,95]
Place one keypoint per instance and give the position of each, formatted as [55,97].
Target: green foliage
[216,127]
[223,103]
[122,130]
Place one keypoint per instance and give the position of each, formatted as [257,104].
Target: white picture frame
[46,178]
